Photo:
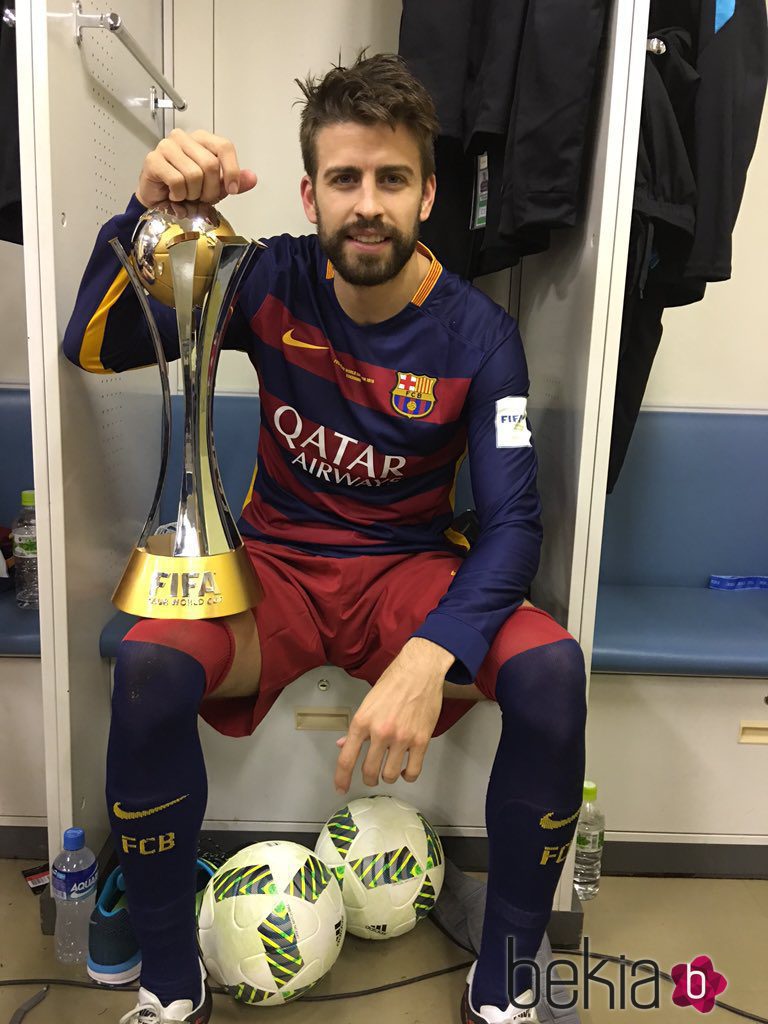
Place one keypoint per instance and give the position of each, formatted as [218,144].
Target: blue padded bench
[691,501]
[19,628]
[235,430]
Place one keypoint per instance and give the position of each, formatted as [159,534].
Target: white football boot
[489,1014]
[149,1009]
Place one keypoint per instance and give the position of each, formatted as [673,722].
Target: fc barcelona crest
[413,395]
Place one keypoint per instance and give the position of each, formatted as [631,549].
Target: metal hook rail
[114,23]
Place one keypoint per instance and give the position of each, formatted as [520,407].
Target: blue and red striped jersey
[363,427]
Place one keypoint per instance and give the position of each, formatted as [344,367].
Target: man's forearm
[429,656]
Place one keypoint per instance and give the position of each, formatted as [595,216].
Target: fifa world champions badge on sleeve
[187,256]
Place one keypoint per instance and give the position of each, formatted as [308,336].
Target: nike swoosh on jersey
[288,339]
[127,815]
[549,822]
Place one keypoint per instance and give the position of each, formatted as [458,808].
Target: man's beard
[359,268]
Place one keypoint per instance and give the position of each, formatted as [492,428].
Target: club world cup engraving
[187,256]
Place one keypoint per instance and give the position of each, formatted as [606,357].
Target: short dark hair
[378,89]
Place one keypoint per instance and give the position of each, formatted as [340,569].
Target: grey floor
[669,920]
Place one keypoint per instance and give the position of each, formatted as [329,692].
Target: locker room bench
[677,733]
[692,500]
[19,628]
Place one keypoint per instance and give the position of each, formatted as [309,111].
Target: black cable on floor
[372,991]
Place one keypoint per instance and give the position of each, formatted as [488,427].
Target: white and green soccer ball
[272,923]
[389,862]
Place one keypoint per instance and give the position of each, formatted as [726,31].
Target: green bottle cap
[590,791]
[27,499]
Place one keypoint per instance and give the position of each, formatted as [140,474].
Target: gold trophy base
[178,587]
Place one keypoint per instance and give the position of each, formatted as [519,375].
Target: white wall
[235,62]
[254,89]
[714,354]
[14,368]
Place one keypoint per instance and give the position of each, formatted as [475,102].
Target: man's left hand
[398,716]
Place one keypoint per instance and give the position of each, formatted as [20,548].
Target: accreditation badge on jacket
[414,394]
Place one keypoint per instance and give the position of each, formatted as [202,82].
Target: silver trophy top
[160,228]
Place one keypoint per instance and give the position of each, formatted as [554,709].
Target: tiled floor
[669,920]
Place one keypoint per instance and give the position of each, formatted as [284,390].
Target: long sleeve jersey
[363,428]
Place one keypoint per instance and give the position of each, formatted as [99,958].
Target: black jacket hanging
[10,179]
[513,79]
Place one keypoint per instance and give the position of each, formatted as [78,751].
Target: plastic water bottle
[25,552]
[590,833]
[73,880]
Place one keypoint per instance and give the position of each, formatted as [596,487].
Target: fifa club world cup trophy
[187,256]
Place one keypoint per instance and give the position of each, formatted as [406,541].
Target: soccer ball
[389,862]
[272,923]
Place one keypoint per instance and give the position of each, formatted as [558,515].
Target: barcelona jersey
[363,426]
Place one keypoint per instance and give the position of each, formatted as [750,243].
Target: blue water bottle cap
[74,839]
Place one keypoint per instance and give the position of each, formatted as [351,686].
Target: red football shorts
[357,613]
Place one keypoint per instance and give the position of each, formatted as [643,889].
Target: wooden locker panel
[703,778]
[22,781]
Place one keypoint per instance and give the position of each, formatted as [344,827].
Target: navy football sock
[532,805]
[157,789]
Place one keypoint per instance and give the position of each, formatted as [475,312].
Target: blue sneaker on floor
[114,957]
[206,869]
